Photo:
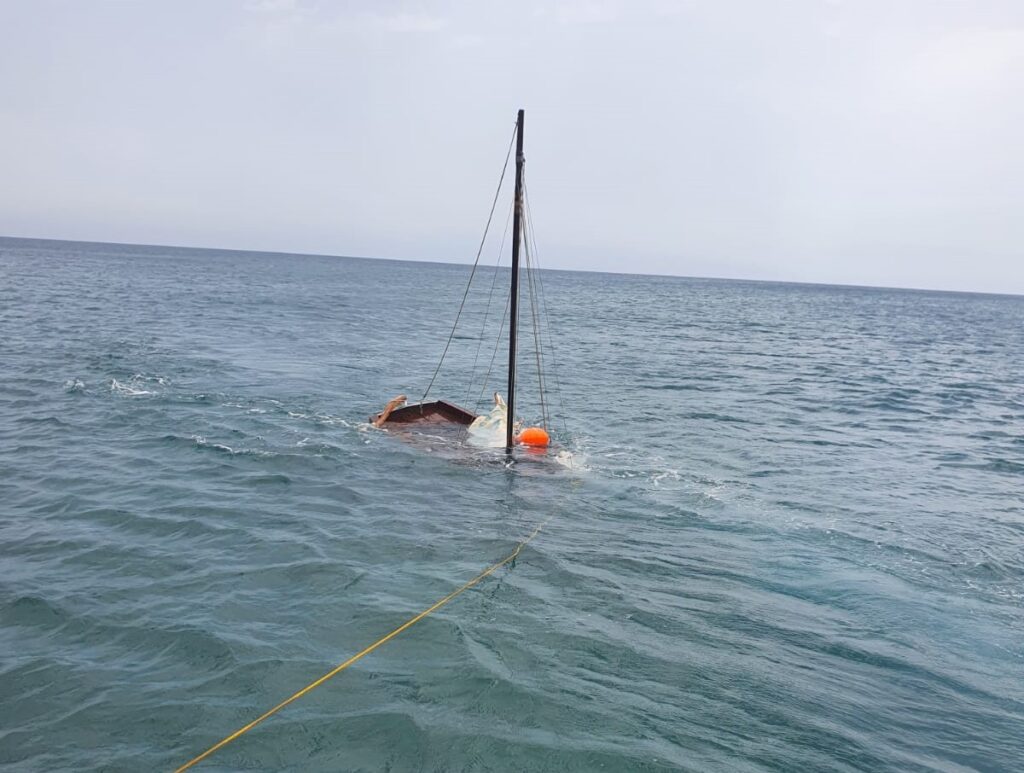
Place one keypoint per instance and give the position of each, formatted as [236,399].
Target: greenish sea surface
[791,536]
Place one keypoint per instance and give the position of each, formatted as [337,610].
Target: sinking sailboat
[444,418]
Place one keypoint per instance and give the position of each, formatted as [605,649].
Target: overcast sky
[852,142]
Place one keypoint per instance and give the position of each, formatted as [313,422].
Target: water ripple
[789,537]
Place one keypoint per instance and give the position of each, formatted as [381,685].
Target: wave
[127,390]
[139,385]
[202,442]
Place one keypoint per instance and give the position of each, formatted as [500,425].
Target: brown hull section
[437,412]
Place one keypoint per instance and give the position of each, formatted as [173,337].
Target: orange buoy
[537,437]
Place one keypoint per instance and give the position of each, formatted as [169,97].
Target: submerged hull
[441,428]
[436,412]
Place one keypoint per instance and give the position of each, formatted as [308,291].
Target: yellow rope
[359,655]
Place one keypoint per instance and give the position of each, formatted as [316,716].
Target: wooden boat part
[435,412]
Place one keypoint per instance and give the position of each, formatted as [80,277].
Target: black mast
[517,215]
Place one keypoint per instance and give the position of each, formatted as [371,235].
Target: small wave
[138,385]
[202,442]
[1004,465]
[713,493]
[42,420]
[199,397]
[316,447]
[993,465]
[321,418]
[261,405]
[657,477]
[273,478]
[34,611]
[74,385]
[127,390]
[577,462]
[715,417]
[678,387]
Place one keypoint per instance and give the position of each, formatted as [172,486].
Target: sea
[783,524]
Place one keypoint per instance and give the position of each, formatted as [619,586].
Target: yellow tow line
[360,655]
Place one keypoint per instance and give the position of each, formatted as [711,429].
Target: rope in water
[363,653]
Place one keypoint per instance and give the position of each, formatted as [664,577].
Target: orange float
[535,437]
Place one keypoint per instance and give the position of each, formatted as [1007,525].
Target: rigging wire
[494,354]
[538,351]
[544,306]
[533,279]
[487,308]
[538,306]
[472,273]
[538,303]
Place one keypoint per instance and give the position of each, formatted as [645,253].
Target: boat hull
[436,412]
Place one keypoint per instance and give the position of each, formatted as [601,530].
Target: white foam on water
[127,390]
[138,385]
[657,477]
[202,442]
[322,418]
[577,462]
[331,420]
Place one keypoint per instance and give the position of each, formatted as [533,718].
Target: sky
[858,142]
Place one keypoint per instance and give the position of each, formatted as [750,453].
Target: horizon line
[567,270]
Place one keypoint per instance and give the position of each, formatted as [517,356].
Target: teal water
[792,538]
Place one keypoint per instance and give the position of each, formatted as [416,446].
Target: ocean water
[789,534]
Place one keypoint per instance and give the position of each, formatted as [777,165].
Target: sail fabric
[490,430]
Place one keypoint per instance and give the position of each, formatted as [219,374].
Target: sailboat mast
[517,220]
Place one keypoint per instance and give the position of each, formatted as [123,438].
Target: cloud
[272,6]
[409,22]
[966,60]
[861,141]
[583,12]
